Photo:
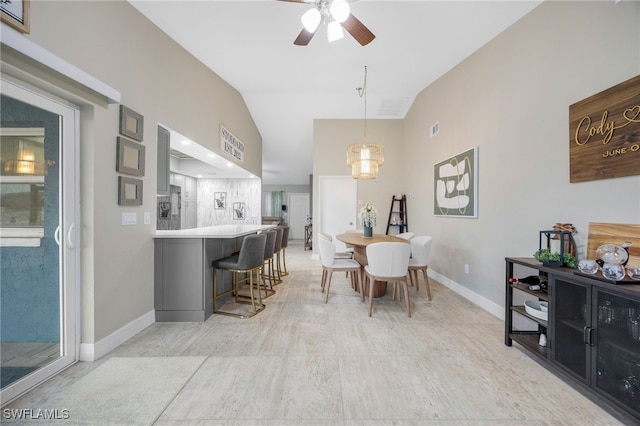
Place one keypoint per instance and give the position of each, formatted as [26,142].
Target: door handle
[56,235]
[70,236]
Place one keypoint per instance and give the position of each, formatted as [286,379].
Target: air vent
[435,128]
[393,107]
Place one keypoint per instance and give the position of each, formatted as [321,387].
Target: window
[22,174]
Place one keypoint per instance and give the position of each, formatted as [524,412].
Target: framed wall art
[129,191]
[238,211]
[456,185]
[131,123]
[220,200]
[15,13]
[130,157]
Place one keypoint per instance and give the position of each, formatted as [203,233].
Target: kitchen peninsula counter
[183,277]
[218,231]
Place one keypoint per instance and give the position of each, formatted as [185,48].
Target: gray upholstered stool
[248,261]
[268,268]
[285,242]
[276,252]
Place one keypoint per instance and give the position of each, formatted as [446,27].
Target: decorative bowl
[537,309]
[612,253]
[588,266]
[634,272]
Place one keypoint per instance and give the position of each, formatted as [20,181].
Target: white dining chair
[330,264]
[420,248]
[388,261]
[338,254]
[406,235]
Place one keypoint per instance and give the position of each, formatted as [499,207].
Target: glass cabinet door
[618,348]
[571,333]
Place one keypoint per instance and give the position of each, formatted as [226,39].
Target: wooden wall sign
[604,134]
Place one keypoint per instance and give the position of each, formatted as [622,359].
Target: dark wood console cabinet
[592,332]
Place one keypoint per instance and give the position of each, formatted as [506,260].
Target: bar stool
[268,269]
[248,261]
[276,252]
[285,242]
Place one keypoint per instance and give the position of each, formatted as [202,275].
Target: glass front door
[37,234]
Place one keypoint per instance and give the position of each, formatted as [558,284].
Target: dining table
[360,243]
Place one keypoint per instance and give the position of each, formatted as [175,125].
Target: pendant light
[365,157]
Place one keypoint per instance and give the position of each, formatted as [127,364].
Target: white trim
[21,232]
[20,242]
[486,304]
[93,351]
[19,42]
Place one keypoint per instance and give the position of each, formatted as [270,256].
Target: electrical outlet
[466,268]
[129,218]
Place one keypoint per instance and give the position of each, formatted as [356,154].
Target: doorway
[39,261]
[337,196]
[299,211]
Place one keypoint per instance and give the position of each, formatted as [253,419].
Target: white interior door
[298,213]
[338,199]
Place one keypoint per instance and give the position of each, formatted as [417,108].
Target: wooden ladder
[398,214]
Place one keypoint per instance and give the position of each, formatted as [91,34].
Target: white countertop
[219,231]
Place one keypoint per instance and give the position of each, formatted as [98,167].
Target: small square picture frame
[131,123]
[129,191]
[130,157]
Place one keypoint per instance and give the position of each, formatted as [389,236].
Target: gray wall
[113,42]
[511,99]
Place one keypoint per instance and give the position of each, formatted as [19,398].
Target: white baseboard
[486,304]
[93,351]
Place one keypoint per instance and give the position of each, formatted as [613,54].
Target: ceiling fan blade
[358,30]
[304,37]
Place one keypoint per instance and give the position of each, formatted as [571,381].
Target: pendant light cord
[362,91]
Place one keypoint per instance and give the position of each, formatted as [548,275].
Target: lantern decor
[556,247]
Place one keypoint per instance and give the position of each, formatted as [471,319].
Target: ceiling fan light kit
[334,31]
[311,20]
[340,10]
[336,14]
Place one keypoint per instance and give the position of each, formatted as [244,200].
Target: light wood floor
[303,362]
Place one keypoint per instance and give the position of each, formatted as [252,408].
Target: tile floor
[303,362]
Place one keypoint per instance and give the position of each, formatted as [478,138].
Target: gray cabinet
[183,280]
[593,335]
[164,149]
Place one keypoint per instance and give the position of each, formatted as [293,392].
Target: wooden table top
[359,240]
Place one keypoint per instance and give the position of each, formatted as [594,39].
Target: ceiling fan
[337,15]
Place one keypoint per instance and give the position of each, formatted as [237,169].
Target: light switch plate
[129,218]
[147,218]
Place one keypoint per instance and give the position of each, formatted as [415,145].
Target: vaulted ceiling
[249,43]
